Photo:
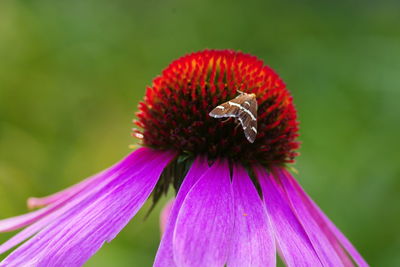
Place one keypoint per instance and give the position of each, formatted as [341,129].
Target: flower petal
[334,234]
[34,202]
[20,221]
[40,223]
[253,239]
[164,257]
[326,252]
[137,158]
[61,198]
[294,244]
[78,233]
[203,231]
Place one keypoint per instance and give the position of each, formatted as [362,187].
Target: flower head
[175,112]
[236,203]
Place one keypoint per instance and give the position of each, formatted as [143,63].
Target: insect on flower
[244,109]
[236,204]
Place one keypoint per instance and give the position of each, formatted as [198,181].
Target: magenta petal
[293,242]
[78,233]
[17,222]
[59,199]
[52,213]
[326,252]
[34,202]
[164,257]
[45,216]
[334,234]
[253,239]
[203,231]
[88,183]
[48,214]
[56,201]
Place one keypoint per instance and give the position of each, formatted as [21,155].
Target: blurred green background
[72,73]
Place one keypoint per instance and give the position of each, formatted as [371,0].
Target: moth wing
[244,107]
[253,107]
[225,110]
[248,118]
[249,126]
[231,108]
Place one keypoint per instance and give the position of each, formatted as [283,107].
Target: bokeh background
[72,73]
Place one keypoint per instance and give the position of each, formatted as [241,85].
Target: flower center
[175,111]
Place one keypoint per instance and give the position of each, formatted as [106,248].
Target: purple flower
[236,202]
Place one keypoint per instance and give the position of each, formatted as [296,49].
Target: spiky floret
[175,111]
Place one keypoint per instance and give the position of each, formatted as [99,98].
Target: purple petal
[253,238]
[74,236]
[52,216]
[35,202]
[17,222]
[334,234]
[137,158]
[61,198]
[322,245]
[57,201]
[90,182]
[294,244]
[203,231]
[164,257]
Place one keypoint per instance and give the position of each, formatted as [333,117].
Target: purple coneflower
[236,203]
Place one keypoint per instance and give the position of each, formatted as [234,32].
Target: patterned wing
[248,118]
[243,108]
[230,108]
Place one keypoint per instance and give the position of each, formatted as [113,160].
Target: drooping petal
[253,241]
[322,245]
[40,223]
[333,233]
[20,221]
[34,202]
[165,257]
[59,199]
[294,244]
[203,231]
[55,203]
[71,238]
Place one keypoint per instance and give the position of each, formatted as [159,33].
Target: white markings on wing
[236,109]
[241,122]
[217,116]
[244,109]
[250,114]
[235,104]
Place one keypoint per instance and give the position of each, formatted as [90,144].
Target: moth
[242,108]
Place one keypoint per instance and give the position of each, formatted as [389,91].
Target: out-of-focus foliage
[72,72]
